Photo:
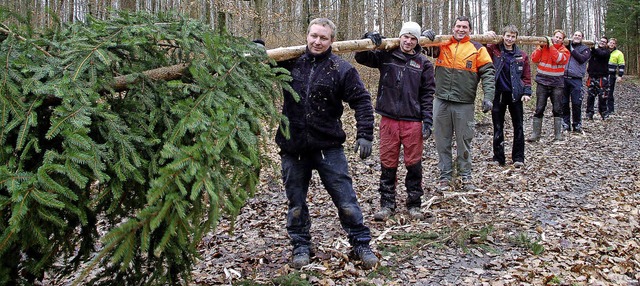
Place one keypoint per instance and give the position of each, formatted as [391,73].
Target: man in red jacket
[551,59]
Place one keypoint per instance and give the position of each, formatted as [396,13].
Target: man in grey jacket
[574,72]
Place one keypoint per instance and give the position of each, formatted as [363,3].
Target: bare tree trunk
[479,12]
[257,20]
[539,18]
[445,15]
[494,18]
[343,20]
[560,5]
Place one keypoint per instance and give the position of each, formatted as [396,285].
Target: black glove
[259,42]
[429,34]
[375,37]
[365,147]
[426,130]
[486,106]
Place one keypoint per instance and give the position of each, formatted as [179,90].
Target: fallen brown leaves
[575,203]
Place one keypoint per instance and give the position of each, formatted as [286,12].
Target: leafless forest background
[282,23]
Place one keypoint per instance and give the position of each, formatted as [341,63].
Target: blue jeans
[331,165]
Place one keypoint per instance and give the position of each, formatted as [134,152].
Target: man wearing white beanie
[404,100]
[410,28]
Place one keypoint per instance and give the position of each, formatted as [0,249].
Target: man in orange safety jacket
[551,59]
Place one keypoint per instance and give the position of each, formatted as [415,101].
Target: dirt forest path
[569,217]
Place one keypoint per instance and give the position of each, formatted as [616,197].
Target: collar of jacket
[503,48]
[400,54]
[465,39]
[318,57]
[571,45]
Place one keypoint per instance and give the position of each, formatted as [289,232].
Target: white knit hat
[410,28]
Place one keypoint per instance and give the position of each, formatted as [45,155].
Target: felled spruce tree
[107,186]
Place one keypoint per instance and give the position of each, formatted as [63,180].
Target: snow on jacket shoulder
[323,82]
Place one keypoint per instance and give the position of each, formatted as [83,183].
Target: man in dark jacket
[513,86]
[323,81]
[598,81]
[573,73]
[405,102]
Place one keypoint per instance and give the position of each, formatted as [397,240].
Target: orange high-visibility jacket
[460,65]
[551,60]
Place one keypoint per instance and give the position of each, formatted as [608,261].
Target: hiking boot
[299,260]
[416,213]
[566,127]
[495,162]
[467,185]
[590,115]
[518,164]
[383,214]
[363,253]
[577,129]
[443,185]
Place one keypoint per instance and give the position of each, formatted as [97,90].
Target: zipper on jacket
[306,98]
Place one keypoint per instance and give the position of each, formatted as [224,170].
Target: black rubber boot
[413,182]
[387,194]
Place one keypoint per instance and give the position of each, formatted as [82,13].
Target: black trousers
[503,102]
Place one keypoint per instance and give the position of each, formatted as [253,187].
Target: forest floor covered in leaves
[569,217]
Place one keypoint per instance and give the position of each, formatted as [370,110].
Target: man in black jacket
[323,81]
[405,102]
[598,80]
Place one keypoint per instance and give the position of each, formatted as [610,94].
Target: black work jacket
[323,82]
[406,86]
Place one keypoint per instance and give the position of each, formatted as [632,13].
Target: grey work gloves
[487,105]
[426,130]
[429,34]
[365,147]
[375,37]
